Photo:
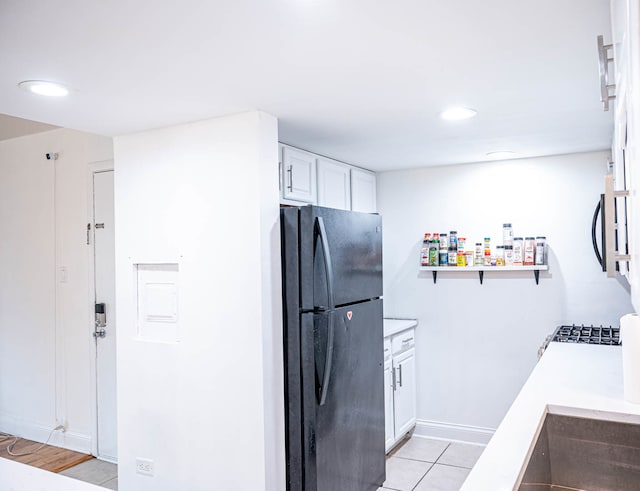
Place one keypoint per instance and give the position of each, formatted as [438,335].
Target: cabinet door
[298,175]
[363,191]
[405,394]
[389,432]
[334,184]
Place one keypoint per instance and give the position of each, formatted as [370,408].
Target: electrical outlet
[144,466]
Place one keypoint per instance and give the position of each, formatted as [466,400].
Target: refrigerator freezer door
[344,438]
[354,245]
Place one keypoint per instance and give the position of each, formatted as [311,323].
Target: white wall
[45,335]
[208,409]
[477,344]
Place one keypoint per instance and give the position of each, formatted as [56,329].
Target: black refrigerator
[334,381]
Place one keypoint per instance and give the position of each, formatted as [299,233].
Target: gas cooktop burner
[587,334]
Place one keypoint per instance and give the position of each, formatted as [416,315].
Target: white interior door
[104,254]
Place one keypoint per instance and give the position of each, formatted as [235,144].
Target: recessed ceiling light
[458,113]
[502,154]
[43,87]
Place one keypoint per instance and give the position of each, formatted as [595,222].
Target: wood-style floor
[50,458]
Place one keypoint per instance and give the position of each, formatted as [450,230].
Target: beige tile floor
[95,471]
[420,464]
[423,464]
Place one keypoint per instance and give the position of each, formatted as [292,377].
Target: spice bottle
[518,250]
[479,257]
[529,251]
[487,251]
[468,258]
[453,239]
[541,253]
[434,250]
[460,259]
[462,244]
[444,242]
[507,234]
[452,256]
[500,255]
[424,252]
[443,259]
[508,255]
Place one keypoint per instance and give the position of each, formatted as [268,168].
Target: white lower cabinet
[400,386]
[404,401]
[389,432]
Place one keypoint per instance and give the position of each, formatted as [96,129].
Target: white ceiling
[360,81]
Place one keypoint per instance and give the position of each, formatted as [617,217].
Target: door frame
[93,168]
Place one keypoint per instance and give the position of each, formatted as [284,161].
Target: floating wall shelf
[481,269]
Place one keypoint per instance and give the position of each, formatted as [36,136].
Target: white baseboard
[453,432]
[39,433]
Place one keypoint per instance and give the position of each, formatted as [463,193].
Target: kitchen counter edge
[394,326]
[553,387]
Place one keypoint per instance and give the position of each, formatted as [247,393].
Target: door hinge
[88,233]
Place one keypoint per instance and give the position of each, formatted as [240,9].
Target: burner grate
[587,335]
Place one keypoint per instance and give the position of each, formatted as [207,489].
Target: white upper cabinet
[298,174]
[306,177]
[625,15]
[334,184]
[363,191]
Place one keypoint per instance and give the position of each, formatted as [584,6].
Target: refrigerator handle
[328,361]
[328,268]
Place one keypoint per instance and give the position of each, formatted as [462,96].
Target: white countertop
[394,326]
[571,379]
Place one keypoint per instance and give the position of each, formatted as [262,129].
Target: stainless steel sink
[576,453]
